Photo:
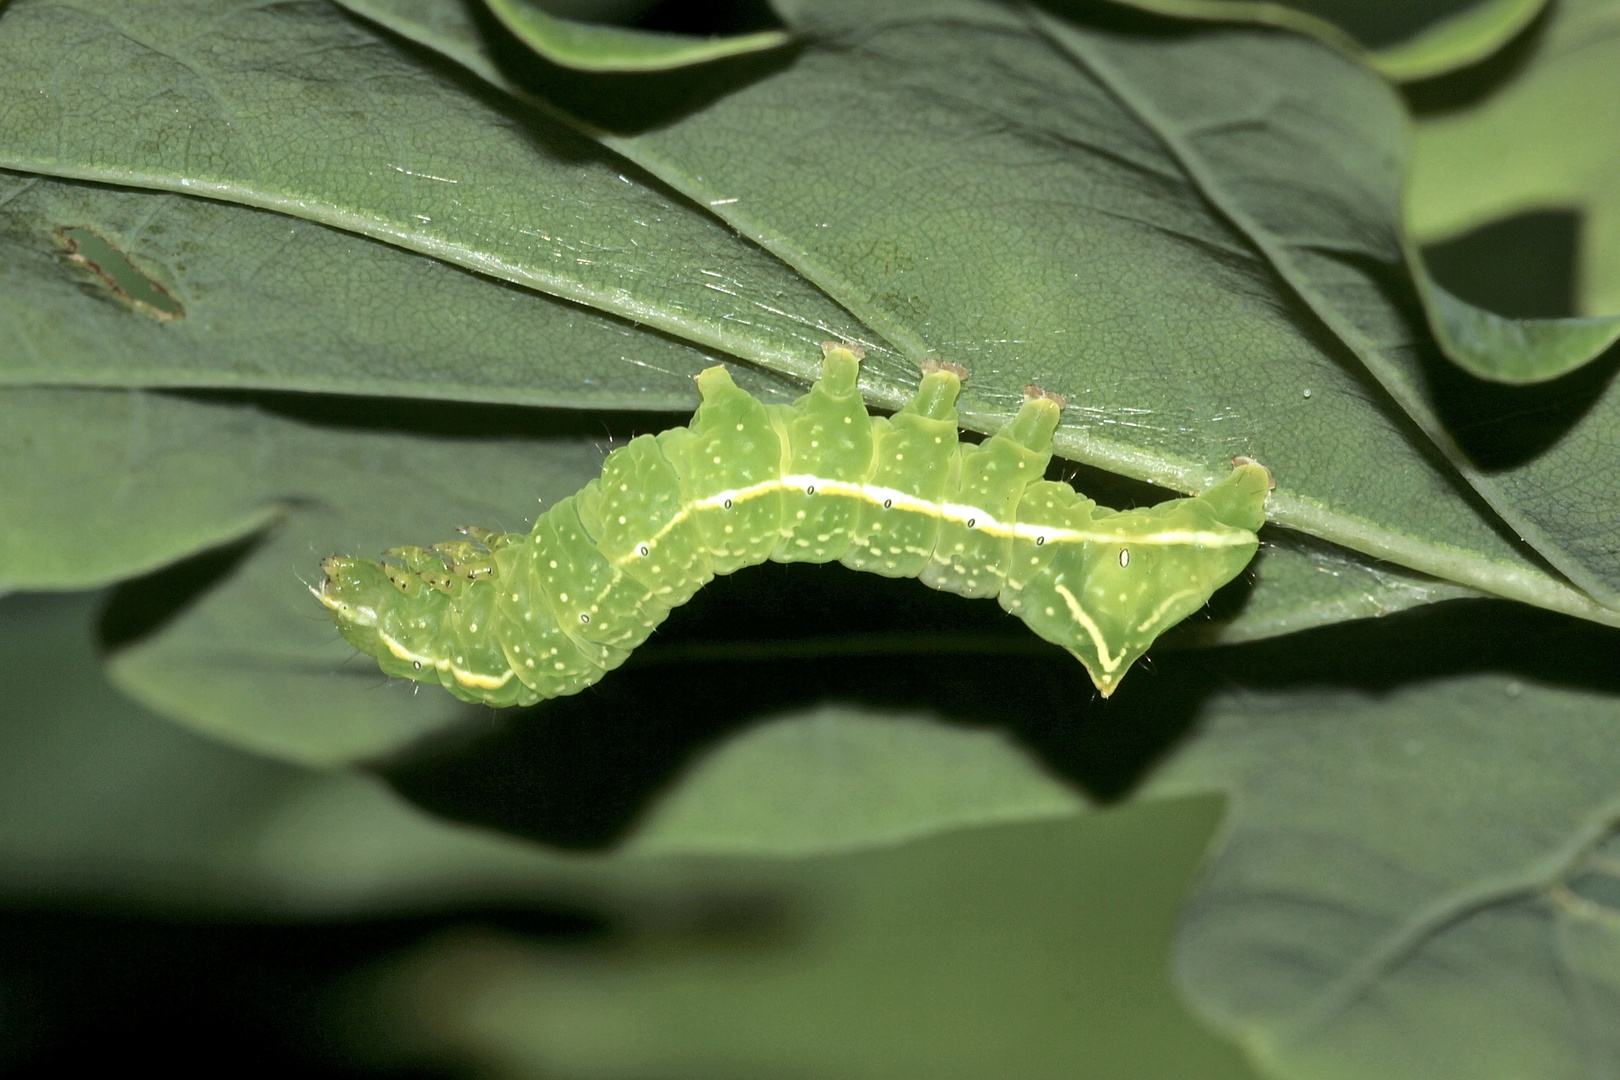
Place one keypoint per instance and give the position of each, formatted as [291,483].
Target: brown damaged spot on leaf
[120,275]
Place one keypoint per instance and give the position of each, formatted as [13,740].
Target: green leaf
[1032,951]
[123,483]
[1301,583]
[1243,154]
[1435,47]
[1456,41]
[833,778]
[1549,137]
[95,487]
[589,47]
[272,302]
[1412,882]
[101,801]
[1046,943]
[113,478]
[1333,137]
[838,778]
[1134,408]
[304,111]
[1098,267]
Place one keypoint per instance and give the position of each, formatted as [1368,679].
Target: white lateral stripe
[961,514]
[465,678]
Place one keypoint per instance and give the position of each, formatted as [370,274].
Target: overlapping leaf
[1119,390]
[1084,255]
[97,486]
[1412,878]
[103,799]
[1021,950]
[99,477]
[301,110]
[1397,41]
[591,47]
[1549,138]
[1250,118]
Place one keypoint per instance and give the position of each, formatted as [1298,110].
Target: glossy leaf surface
[270,302]
[1422,523]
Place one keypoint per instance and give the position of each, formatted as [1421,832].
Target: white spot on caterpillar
[1124,558]
[623,519]
[473,629]
[554,564]
[563,597]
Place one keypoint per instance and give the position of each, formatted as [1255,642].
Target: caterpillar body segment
[507,619]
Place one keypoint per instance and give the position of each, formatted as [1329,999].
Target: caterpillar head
[352,590]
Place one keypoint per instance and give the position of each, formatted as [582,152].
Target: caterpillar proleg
[511,619]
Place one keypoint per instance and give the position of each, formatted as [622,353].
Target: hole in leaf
[120,275]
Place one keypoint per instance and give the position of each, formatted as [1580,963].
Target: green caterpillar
[509,619]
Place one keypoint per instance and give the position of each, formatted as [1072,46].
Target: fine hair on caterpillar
[511,618]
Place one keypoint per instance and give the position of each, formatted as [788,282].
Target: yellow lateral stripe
[1080,616]
[465,678]
[1147,624]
